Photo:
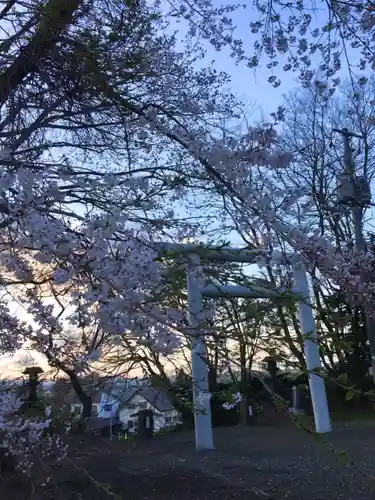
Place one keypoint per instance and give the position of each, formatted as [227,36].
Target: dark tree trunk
[244,385]
[7,460]
[84,398]
[58,15]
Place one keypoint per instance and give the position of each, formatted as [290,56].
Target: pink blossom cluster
[26,438]
[96,264]
[236,399]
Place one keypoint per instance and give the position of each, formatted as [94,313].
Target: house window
[130,424]
[94,411]
[168,420]
[131,407]
[143,406]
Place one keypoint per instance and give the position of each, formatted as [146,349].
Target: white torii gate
[196,253]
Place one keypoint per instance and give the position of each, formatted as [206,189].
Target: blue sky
[248,84]
[252,85]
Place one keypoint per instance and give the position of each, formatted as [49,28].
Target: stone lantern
[33,373]
[271,365]
[145,423]
[272,368]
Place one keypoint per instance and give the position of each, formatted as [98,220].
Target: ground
[254,463]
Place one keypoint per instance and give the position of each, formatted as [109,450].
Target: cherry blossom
[25,437]
[236,399]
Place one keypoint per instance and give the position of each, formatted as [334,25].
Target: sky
[248,84]
[251,84]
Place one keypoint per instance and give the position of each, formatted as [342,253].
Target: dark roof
[120,385]
[157,398]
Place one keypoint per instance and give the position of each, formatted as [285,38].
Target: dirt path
[248,464]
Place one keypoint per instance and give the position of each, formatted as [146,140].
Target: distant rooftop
[157,398]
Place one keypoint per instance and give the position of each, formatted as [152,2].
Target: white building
[122,399]
[165,415]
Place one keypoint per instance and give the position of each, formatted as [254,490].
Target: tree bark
[84,398]
[57,16]
[244,383]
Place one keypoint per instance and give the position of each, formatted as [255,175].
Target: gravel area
[249,464]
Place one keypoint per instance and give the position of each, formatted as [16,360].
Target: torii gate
[195,253]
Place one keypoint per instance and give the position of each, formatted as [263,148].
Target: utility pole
[355,191]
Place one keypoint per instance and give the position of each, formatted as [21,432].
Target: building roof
[157,398]
[119,384]
[111,385]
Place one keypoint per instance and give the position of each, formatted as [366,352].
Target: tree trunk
[244,409]
[84,398]
[56,17]
[244,384]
